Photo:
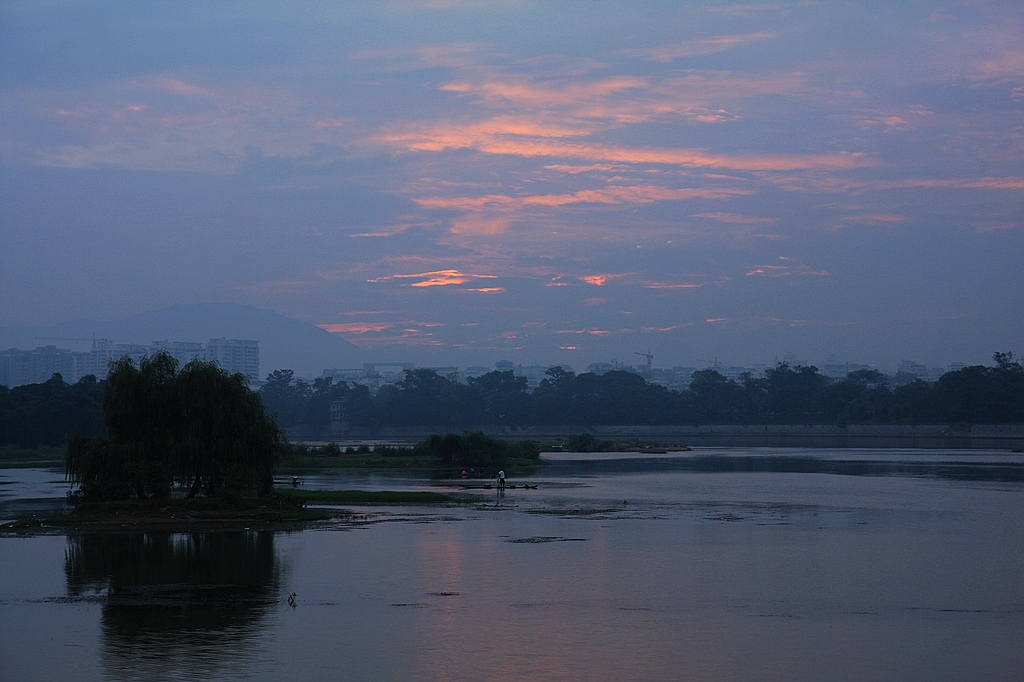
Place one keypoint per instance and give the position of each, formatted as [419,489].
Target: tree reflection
[176,601]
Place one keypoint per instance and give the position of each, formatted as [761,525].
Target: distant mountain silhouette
[285,343]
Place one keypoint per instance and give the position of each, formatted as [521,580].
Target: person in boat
[501,480]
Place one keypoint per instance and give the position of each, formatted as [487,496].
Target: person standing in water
[501,480]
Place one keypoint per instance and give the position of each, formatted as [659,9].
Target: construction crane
[650,359]
[714,363]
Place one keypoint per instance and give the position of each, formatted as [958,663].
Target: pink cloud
[479,225]
[677,157]
[436,278]
[575,170]
[356,327]
[602,279]
[614,194]
[525,92]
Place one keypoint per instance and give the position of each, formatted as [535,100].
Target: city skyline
[461,182]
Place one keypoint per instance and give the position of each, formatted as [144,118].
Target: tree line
[784,395]
[47,413]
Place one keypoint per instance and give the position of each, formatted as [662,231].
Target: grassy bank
[360,497]
[284,508]
[11,456]
[308,463]
[292,466]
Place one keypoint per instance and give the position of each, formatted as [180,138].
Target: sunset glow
[485,166]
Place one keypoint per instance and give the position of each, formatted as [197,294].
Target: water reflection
[174,602]
[920,467]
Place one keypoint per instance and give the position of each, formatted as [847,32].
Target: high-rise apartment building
[18,367]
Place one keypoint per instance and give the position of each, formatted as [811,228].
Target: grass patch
[293,466]
[178,514]
[12,456]
[367,497]
[302,465]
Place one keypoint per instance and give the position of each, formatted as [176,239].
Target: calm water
[714,564]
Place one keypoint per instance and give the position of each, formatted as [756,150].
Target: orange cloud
[601,280]
[356,327]
[441,136]
[436,278]
[525,92]
[614,194]
[575,170]
[678,157]
[479,225]
[448,137]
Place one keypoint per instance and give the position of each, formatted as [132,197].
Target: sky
[545,182]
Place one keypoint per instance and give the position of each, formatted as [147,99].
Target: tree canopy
[48,412]
[200,428]
[45,413]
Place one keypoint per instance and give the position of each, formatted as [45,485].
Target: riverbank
[284,510]
[924,437]
[14,457]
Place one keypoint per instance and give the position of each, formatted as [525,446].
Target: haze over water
[714,564]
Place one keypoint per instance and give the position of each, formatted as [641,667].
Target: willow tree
[200,428]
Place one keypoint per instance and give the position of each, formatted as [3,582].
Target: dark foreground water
[715,564]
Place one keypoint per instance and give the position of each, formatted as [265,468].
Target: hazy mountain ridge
[285,342]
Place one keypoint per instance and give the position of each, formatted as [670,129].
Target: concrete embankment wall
[984,437]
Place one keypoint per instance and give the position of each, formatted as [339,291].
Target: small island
[197,446]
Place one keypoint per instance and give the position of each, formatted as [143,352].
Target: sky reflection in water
[710,565]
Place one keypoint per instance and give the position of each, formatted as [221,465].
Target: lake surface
[741,564]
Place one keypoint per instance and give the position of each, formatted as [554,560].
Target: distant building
[475,372]
[237,356]
[448,372]
[373,375]
[681,377]
[605,367]
[661,376]
[911,368]
[841,370]
[18,367]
